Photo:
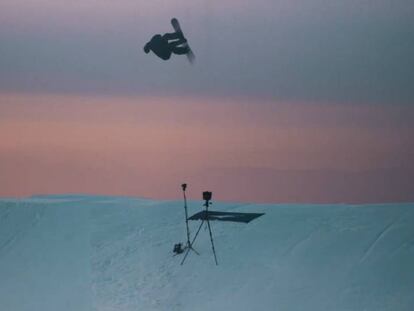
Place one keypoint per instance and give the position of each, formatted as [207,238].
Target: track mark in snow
[4,213]
[23,228]
[299,242]
[378,238]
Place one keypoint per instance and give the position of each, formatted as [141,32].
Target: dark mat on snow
[225,216]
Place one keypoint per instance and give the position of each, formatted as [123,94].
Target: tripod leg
[195,251]
[199,228]
[186,218]
[212,243]
[185,256]
[191,247]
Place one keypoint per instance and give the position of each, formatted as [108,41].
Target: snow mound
[113,253]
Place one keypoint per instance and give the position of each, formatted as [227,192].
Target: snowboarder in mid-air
[170,43]
[163,46]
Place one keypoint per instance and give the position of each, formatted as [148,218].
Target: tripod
[189,244]
[207,198]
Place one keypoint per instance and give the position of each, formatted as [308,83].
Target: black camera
[207,196]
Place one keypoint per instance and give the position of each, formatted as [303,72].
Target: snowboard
[176,25]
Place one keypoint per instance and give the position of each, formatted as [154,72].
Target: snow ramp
[114,253]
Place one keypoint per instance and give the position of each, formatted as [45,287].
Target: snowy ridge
[114,253]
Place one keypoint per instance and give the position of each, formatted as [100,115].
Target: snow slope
[110,253]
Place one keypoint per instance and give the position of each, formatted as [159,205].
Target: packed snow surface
[109,253]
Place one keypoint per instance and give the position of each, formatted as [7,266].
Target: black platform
[225,216]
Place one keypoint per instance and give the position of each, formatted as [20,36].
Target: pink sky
[287,101]
[242,149]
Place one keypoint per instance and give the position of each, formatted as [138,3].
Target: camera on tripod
[207,197]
